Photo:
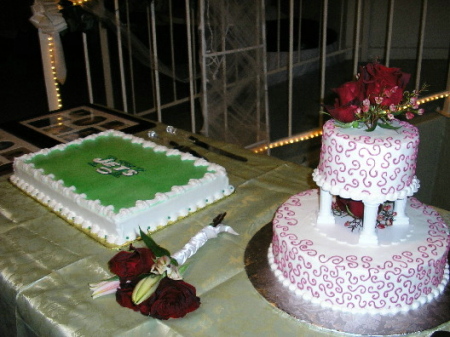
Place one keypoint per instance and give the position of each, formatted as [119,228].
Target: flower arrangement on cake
[355,208]
[149,279]
[375,98]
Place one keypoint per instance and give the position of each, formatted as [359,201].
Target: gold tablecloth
[46,264]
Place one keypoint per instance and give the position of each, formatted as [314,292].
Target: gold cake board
[426,317]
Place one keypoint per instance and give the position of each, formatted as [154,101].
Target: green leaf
[355,124]
[374,125]
[151,244]
[344,125]
[388,126]
[183,268]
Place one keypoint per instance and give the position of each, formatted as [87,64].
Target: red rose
[356,208]
[172,299]
[379,79]
[351,92]
[343,113]
[128,265]
[123,296]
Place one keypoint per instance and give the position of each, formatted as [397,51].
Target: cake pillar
[399,208]
[368,235]
[325,216]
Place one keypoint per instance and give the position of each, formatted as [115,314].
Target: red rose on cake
[376,97]
[351,94]
[343,113]
[384,82]
[353,207]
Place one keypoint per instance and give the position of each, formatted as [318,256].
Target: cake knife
[217,150]
[170,143]
[184,148]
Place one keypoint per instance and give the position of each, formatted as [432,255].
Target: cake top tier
[370,166]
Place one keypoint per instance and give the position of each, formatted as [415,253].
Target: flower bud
[409,115]
[378,100]
[392,107]
[145,288]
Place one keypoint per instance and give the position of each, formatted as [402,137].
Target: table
[46,264]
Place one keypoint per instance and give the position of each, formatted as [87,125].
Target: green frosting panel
[116,171]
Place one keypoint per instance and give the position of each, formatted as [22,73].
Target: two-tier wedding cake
[392,257]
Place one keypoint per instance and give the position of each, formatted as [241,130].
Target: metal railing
[153,56]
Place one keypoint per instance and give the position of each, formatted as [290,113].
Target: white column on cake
[400,216]
[325,216]
[368,235]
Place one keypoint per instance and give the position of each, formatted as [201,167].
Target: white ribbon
[198,240]
[47,18]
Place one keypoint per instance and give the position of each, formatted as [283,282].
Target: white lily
[106,287]
[163,264]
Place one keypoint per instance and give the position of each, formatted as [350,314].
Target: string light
[291,140]
[51,52]
[441,95]
[318,132]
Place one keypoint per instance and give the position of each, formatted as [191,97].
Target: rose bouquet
[376,97]
[149,280]
[355,209]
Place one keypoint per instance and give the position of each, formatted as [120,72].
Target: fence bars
[323,57]
[358,48]
[88,69]
[423,21]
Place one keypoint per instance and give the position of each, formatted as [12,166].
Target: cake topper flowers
[149,280]
[376,97]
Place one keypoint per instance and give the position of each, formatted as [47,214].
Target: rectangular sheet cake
[111,184]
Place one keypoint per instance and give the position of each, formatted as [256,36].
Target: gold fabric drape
[46,265]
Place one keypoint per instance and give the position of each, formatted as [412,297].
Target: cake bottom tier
[325,265]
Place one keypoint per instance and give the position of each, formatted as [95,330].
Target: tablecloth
[46,264]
